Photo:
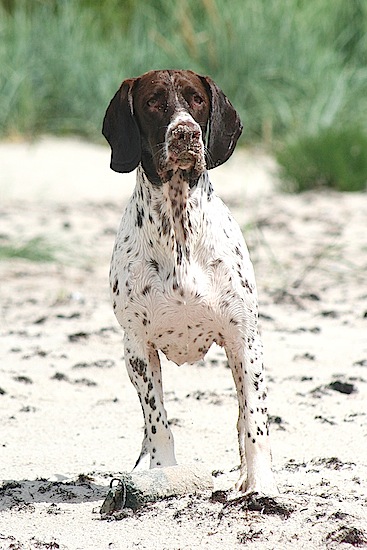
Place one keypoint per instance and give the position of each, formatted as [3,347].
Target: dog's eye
[152,102]
[157,103]
[197,99]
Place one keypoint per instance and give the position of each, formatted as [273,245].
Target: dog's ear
[121,130]
[224,127]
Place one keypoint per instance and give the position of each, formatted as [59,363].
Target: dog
[181,277]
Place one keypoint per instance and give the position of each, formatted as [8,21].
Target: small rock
[343,387]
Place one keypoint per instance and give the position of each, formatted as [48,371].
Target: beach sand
[71,420]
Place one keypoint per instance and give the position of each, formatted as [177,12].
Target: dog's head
[170,121]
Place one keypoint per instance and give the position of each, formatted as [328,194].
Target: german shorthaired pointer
[181,277]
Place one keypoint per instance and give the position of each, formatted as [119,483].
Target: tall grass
[331,158]
[291,67]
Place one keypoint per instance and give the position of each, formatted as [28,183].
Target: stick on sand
[135,489]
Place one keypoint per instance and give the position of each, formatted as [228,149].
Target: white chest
[179,290]
[181,319]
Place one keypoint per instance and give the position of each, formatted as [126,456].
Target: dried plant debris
[361,363]
[278,421]
[316,464]
[262,504]
[332,463]
[100,364]
[78,336]
[27,492]
[348,535]
[249,535]
[81,381]
[23,379]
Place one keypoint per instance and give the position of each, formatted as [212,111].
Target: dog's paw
[263,485]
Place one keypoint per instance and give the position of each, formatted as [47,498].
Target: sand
[70,419]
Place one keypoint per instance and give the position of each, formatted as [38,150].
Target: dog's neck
[176,194]
[175,210]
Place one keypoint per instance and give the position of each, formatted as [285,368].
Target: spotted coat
[181,277]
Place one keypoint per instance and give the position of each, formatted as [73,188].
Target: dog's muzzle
[184,145]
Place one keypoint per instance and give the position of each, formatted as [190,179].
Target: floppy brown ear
[225,126]
[121,130]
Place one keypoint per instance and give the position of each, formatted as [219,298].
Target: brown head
[163,119]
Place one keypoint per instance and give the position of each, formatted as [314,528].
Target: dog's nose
[184,143]
[185,131]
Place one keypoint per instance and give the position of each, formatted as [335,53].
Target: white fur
[180,289]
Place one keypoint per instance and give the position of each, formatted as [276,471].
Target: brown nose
[185,132]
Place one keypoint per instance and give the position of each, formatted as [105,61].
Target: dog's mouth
[185,160]
[191,165]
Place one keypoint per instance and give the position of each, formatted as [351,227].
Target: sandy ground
[70,420]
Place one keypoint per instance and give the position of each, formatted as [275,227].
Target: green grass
[335,158]
[34,250]
[291,67]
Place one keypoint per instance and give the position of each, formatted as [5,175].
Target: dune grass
[33,250]
[335,158]
[293,68]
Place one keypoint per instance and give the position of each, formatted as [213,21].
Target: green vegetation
[332,158]
[294,69]
[34,250]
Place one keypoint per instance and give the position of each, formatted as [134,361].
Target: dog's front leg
[145,373]
[246,362]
